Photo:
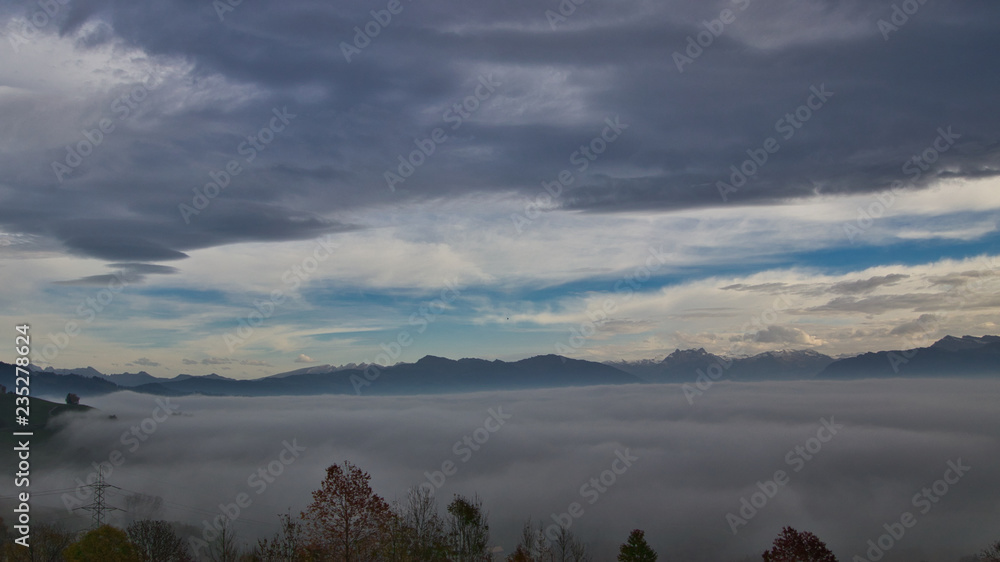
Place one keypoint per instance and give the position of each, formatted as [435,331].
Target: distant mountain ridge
[951,343]
[966,356]
[83,371]
[318,369]
[684,366]
[57,386]
[428,375]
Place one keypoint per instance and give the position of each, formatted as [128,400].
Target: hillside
[41,414]
[53,386]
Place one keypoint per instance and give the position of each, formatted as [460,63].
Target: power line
[35,494]
[98,508]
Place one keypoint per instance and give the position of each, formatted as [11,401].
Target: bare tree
[567,548]
[429,540]
[533,547]
[47,545]
[223,548]
[156,541]
[141,507]
[285,546]
[468,530]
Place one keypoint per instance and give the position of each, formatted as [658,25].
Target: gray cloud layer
[558,85]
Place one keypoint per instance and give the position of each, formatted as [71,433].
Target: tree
[72,399]
[420,529]
[143,506]
[520,554]
[46,545]
[397,541]
[346,520]
[533,546]
[286,546]
[567,548]
[636,549]
[156,541]
[103,544]
[223,548]
[991,554]
[468,530]
[795,546]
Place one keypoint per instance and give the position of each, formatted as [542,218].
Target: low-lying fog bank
[854,457]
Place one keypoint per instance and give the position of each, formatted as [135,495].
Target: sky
[249,188]
[855,455]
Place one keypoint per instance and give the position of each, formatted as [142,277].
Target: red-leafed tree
[346,520]
[795,546]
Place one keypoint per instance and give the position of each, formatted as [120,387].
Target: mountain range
[950,355]
[685,365]
[967,356]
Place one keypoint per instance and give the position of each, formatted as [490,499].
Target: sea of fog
[715,479]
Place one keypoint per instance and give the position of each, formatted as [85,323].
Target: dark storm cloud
[608,59]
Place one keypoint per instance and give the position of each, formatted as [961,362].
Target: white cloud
[785,335]
[786,308]
[412,250]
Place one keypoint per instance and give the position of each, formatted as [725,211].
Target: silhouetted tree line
[348,522]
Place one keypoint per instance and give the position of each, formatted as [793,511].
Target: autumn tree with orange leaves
[346,520]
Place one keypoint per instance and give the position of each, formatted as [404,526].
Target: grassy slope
[42,411]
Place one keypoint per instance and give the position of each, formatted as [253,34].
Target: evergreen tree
[636,549]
